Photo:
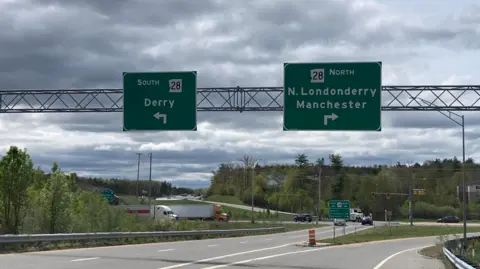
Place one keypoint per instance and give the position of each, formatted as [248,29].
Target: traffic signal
[388,195]
[373,194]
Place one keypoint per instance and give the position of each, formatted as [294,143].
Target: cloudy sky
[48,44]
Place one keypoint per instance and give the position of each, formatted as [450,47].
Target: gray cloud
[88,44]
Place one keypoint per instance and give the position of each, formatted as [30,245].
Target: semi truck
[200,212]
[162,212]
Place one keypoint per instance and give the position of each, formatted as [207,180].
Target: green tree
[320,161]
[56,201]
[336,162]
[301,160]
[15,177]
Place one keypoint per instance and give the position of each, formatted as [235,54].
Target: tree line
[295,187]
[32,201]
[129,187]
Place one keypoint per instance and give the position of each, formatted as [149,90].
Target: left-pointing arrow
[160,116]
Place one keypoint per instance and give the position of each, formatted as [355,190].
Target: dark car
[449,219]
[303,218]
[367,221]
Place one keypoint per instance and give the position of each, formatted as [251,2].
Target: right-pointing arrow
[159,116]
[333,117]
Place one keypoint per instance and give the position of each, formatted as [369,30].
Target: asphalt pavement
[265,251]
[394,254]
[245,207]
[182,254]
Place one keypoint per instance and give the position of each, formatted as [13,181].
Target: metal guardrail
[457,262]
[30,238]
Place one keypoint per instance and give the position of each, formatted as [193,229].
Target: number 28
[317,75]
[175,86]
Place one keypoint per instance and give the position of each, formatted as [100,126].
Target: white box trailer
[199,212]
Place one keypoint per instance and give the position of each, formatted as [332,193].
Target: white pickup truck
[356,214]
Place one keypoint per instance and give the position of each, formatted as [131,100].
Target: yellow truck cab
[220,215]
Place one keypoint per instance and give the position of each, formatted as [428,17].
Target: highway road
[256,209]
[185,254]
[262,252]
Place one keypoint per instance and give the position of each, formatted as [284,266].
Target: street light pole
[253,187]
[150,182]
[253,196]
[138,172]
[461,124]
[464,189]
[318,169]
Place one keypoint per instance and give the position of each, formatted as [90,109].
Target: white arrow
[159,116]
[326,117]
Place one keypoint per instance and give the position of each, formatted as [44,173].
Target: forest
[295,187]
[34,201]
[129,187]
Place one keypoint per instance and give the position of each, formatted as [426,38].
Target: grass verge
[436,252]
[386,233]
[433,220]
[183,225]
[225,199]
[299,227]
[132,200]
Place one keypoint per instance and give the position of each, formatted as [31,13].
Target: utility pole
[318,169]
[150,182]
[461,123]
[410,198]
[464,188]
[138,172]
[253,196]
[253,189]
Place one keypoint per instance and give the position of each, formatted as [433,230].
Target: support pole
[138,173]
[410,198]
[464,191]
[319,198]
[253,196]
[150,182]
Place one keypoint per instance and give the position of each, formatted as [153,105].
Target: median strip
[399,232]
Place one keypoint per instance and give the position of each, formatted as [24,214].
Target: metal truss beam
[240,99]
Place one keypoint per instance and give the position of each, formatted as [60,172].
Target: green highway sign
[160,101]
[339,209]
[108,194]
[332,96]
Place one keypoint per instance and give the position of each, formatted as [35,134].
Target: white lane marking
[380,264]
[165,250]
[212,246]
[85,259]
[268,239]
[170,243]
[243,242]
[222,257]
[263,258]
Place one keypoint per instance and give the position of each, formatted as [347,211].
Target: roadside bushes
[423,210]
